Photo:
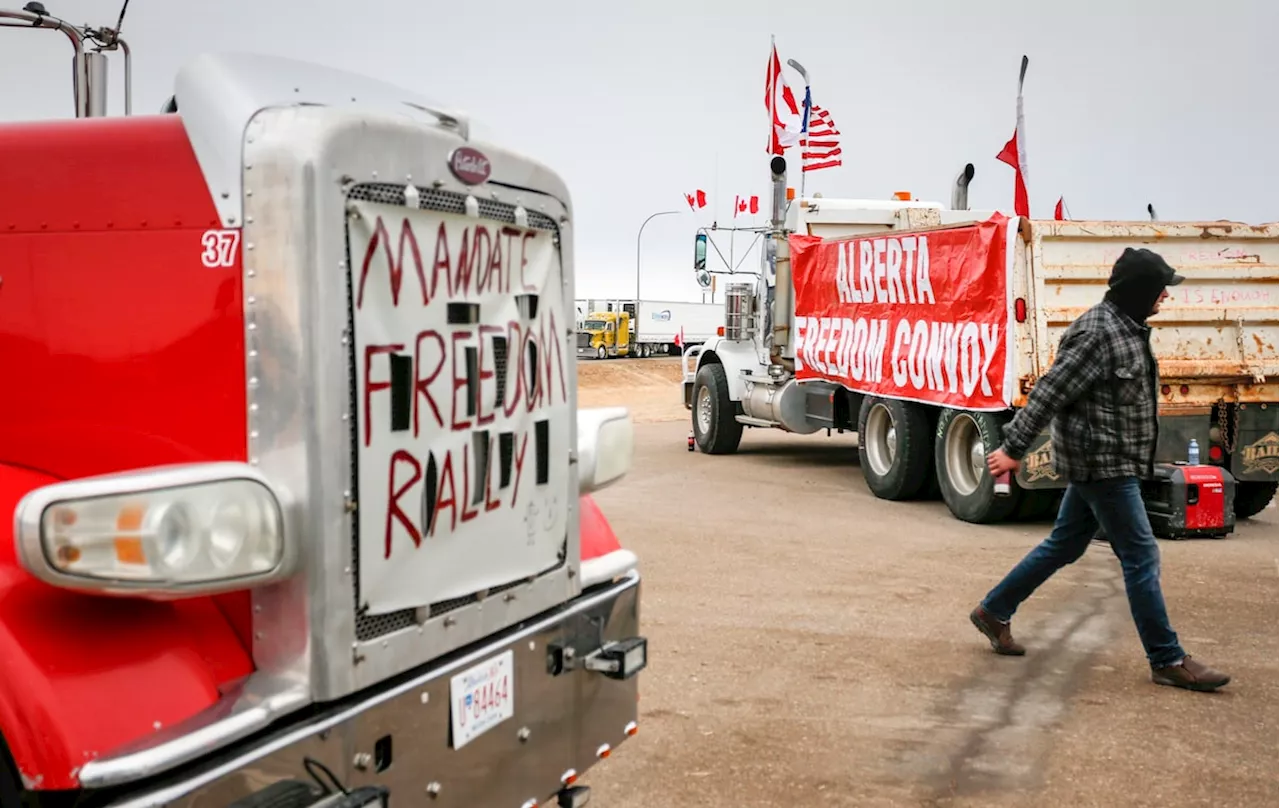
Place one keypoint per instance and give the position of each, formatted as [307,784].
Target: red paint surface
[1210,510]
[119,350]
[596,536]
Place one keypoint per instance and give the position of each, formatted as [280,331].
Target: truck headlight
[164,532]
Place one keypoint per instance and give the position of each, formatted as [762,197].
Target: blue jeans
[1117,505]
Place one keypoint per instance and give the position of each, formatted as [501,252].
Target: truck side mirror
[704,278]
[700,252]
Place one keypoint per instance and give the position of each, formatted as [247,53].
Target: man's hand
[998,463]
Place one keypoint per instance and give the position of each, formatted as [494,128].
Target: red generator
[1186,502]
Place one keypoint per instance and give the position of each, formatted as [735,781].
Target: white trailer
[664,323]
[1215,342]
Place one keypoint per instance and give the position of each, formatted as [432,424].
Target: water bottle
[1193,453]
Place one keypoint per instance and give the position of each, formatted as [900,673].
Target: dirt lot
[810,644]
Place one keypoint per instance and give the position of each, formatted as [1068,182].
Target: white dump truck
[923,328]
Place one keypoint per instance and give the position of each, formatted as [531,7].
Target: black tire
[10,788]
[1252,497]
[722,432]
[970,493]
[903,474]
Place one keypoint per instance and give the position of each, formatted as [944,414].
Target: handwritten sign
[462,404]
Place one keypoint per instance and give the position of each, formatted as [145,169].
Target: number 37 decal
[219,247]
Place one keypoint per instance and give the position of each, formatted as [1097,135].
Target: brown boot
[1191,675]
[998,633]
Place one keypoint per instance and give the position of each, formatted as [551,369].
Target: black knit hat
[1144,267]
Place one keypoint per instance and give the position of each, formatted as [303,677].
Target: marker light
[163,532]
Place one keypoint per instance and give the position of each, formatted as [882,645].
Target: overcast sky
[1126,101]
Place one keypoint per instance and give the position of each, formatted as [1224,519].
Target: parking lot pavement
[810,645]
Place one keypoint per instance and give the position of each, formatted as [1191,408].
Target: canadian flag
[1014,153]
[697,199]
[743,204]
[784,130]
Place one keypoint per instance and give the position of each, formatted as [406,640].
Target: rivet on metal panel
[533,646]
[425,697]
[248,245]
[433,790]
[349,505]
[345,417]
[437,184]
[157,725]
[523,734]
[257,607]
[508,597]
[253,381]
[250,300]
[450,621]
[253,434]
[252,273]
[253,326]
[362,760]
[226,195]
[253,354]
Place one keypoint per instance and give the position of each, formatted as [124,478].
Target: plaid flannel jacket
[1099,398]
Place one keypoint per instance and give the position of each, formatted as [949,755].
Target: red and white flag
[784,130]
[1015,154]
[697,199]
[745,204]
[1060,209]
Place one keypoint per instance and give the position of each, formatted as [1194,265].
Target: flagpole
[804,120]
[773,91]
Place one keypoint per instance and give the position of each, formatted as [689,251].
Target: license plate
[482,697]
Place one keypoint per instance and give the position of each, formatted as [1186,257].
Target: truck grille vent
[369,627]
[584,340]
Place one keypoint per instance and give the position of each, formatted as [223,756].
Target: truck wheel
[1252,497]
[601,353]
[715,427]
[960,454]
[893,447]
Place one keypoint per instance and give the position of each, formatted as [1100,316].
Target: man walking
[1099,398]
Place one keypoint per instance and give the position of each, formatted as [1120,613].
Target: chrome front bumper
[566,718]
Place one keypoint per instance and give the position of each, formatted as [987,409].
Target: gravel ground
[810,645]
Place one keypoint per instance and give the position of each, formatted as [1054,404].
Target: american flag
[820,139]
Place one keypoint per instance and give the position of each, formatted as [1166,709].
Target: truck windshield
[594,325]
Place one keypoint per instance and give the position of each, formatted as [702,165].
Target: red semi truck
[296,491]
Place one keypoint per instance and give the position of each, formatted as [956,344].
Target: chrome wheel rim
[965,455]
[704,409]
[882,439]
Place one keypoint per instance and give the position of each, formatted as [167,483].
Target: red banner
[915,316]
